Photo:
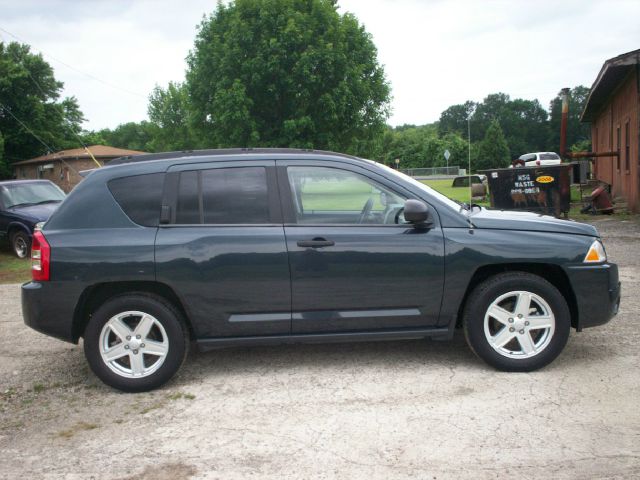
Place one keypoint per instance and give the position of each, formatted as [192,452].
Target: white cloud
[436,53]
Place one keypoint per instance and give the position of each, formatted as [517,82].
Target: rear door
[355,266]
[222,249]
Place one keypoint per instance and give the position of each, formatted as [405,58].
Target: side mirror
[416,212]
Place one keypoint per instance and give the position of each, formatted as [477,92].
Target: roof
[98,151]
[612,73]
[222,152]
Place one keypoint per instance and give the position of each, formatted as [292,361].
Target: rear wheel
[20,243]
[517,322]
[135,342]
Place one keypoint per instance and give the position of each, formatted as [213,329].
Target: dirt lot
[418,409]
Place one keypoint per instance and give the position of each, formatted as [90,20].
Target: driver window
[323,195]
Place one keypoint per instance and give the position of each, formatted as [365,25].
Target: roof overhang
[612,73]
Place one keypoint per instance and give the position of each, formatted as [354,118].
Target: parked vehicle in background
[23,204]
[259,247]
[537,159]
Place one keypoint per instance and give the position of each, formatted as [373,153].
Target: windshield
[30,194]
[443,198]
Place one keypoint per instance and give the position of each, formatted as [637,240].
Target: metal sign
[447,154]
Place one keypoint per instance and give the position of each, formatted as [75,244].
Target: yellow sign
[545,179]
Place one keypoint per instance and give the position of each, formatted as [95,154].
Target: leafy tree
[454,119]
[131,135]
[286,73]
[4,168]
[493,151]
[29,93]
[577,133]
[169,112]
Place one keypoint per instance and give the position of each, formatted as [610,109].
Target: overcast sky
[110,54]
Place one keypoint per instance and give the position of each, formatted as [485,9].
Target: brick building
[63,167]
[613,109]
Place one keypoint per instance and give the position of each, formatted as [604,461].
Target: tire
[136,342]
[497,333]
[20,243]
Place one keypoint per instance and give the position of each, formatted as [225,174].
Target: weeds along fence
[428,172]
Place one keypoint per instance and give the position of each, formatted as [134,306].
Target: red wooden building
[613,109]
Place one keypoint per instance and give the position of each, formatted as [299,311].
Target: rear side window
[223,196]
[139,197]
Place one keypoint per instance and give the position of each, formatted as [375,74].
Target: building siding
[64,174]
[620,112]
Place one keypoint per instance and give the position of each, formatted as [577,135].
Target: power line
[55,154]
[93,77]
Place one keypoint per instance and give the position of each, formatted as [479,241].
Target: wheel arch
[554,274]
[15,226]
[94,296]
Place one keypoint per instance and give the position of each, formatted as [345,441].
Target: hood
[512,220]
[40,213]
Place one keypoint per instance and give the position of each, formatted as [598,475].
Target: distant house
[63,167]
[613,109]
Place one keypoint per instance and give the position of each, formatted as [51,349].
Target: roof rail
[222,151]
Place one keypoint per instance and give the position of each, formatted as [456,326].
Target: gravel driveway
[419,409]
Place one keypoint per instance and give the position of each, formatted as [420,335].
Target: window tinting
[235,195]
[188,208]
[223,196]
[549,156]
[140,197]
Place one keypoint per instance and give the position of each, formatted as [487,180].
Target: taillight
[537,162]
[40,257]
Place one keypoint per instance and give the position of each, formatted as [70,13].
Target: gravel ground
[420,409]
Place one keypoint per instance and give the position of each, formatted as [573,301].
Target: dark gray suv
[255,247]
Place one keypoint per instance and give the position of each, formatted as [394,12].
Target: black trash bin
[543,189]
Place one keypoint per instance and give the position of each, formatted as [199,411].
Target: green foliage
[169,112]
[577,133]
[131,135]
[30,92]
[419,147]
[524,122]
[493,151]
[286,73]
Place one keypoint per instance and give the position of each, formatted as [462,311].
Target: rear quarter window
[140,197]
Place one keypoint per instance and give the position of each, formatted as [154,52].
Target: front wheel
[135,342]
[517,322]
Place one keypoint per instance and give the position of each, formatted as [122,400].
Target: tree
[577,132]
[493,150]
[131,135]
[454,119]
[169,114]
[31,112]
[286,73]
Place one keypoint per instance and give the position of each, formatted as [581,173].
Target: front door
[355,265]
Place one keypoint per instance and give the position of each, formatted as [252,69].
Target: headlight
[596,253]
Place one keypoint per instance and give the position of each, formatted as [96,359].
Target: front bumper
[48,307]
[597,290]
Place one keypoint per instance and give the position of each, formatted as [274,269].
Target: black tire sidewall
[492,288]
[171,322]
[14,236]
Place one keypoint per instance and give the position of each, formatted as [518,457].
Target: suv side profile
[253,247]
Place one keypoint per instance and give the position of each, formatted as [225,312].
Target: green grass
[461,194]
[13,269]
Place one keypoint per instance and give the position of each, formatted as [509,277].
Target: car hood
[40,213]
[510,220]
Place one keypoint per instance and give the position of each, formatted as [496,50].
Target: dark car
[260,247]
[23,204]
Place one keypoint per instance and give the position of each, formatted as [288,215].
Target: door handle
[316,243]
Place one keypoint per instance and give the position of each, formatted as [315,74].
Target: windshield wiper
[46,201]
[25,204]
